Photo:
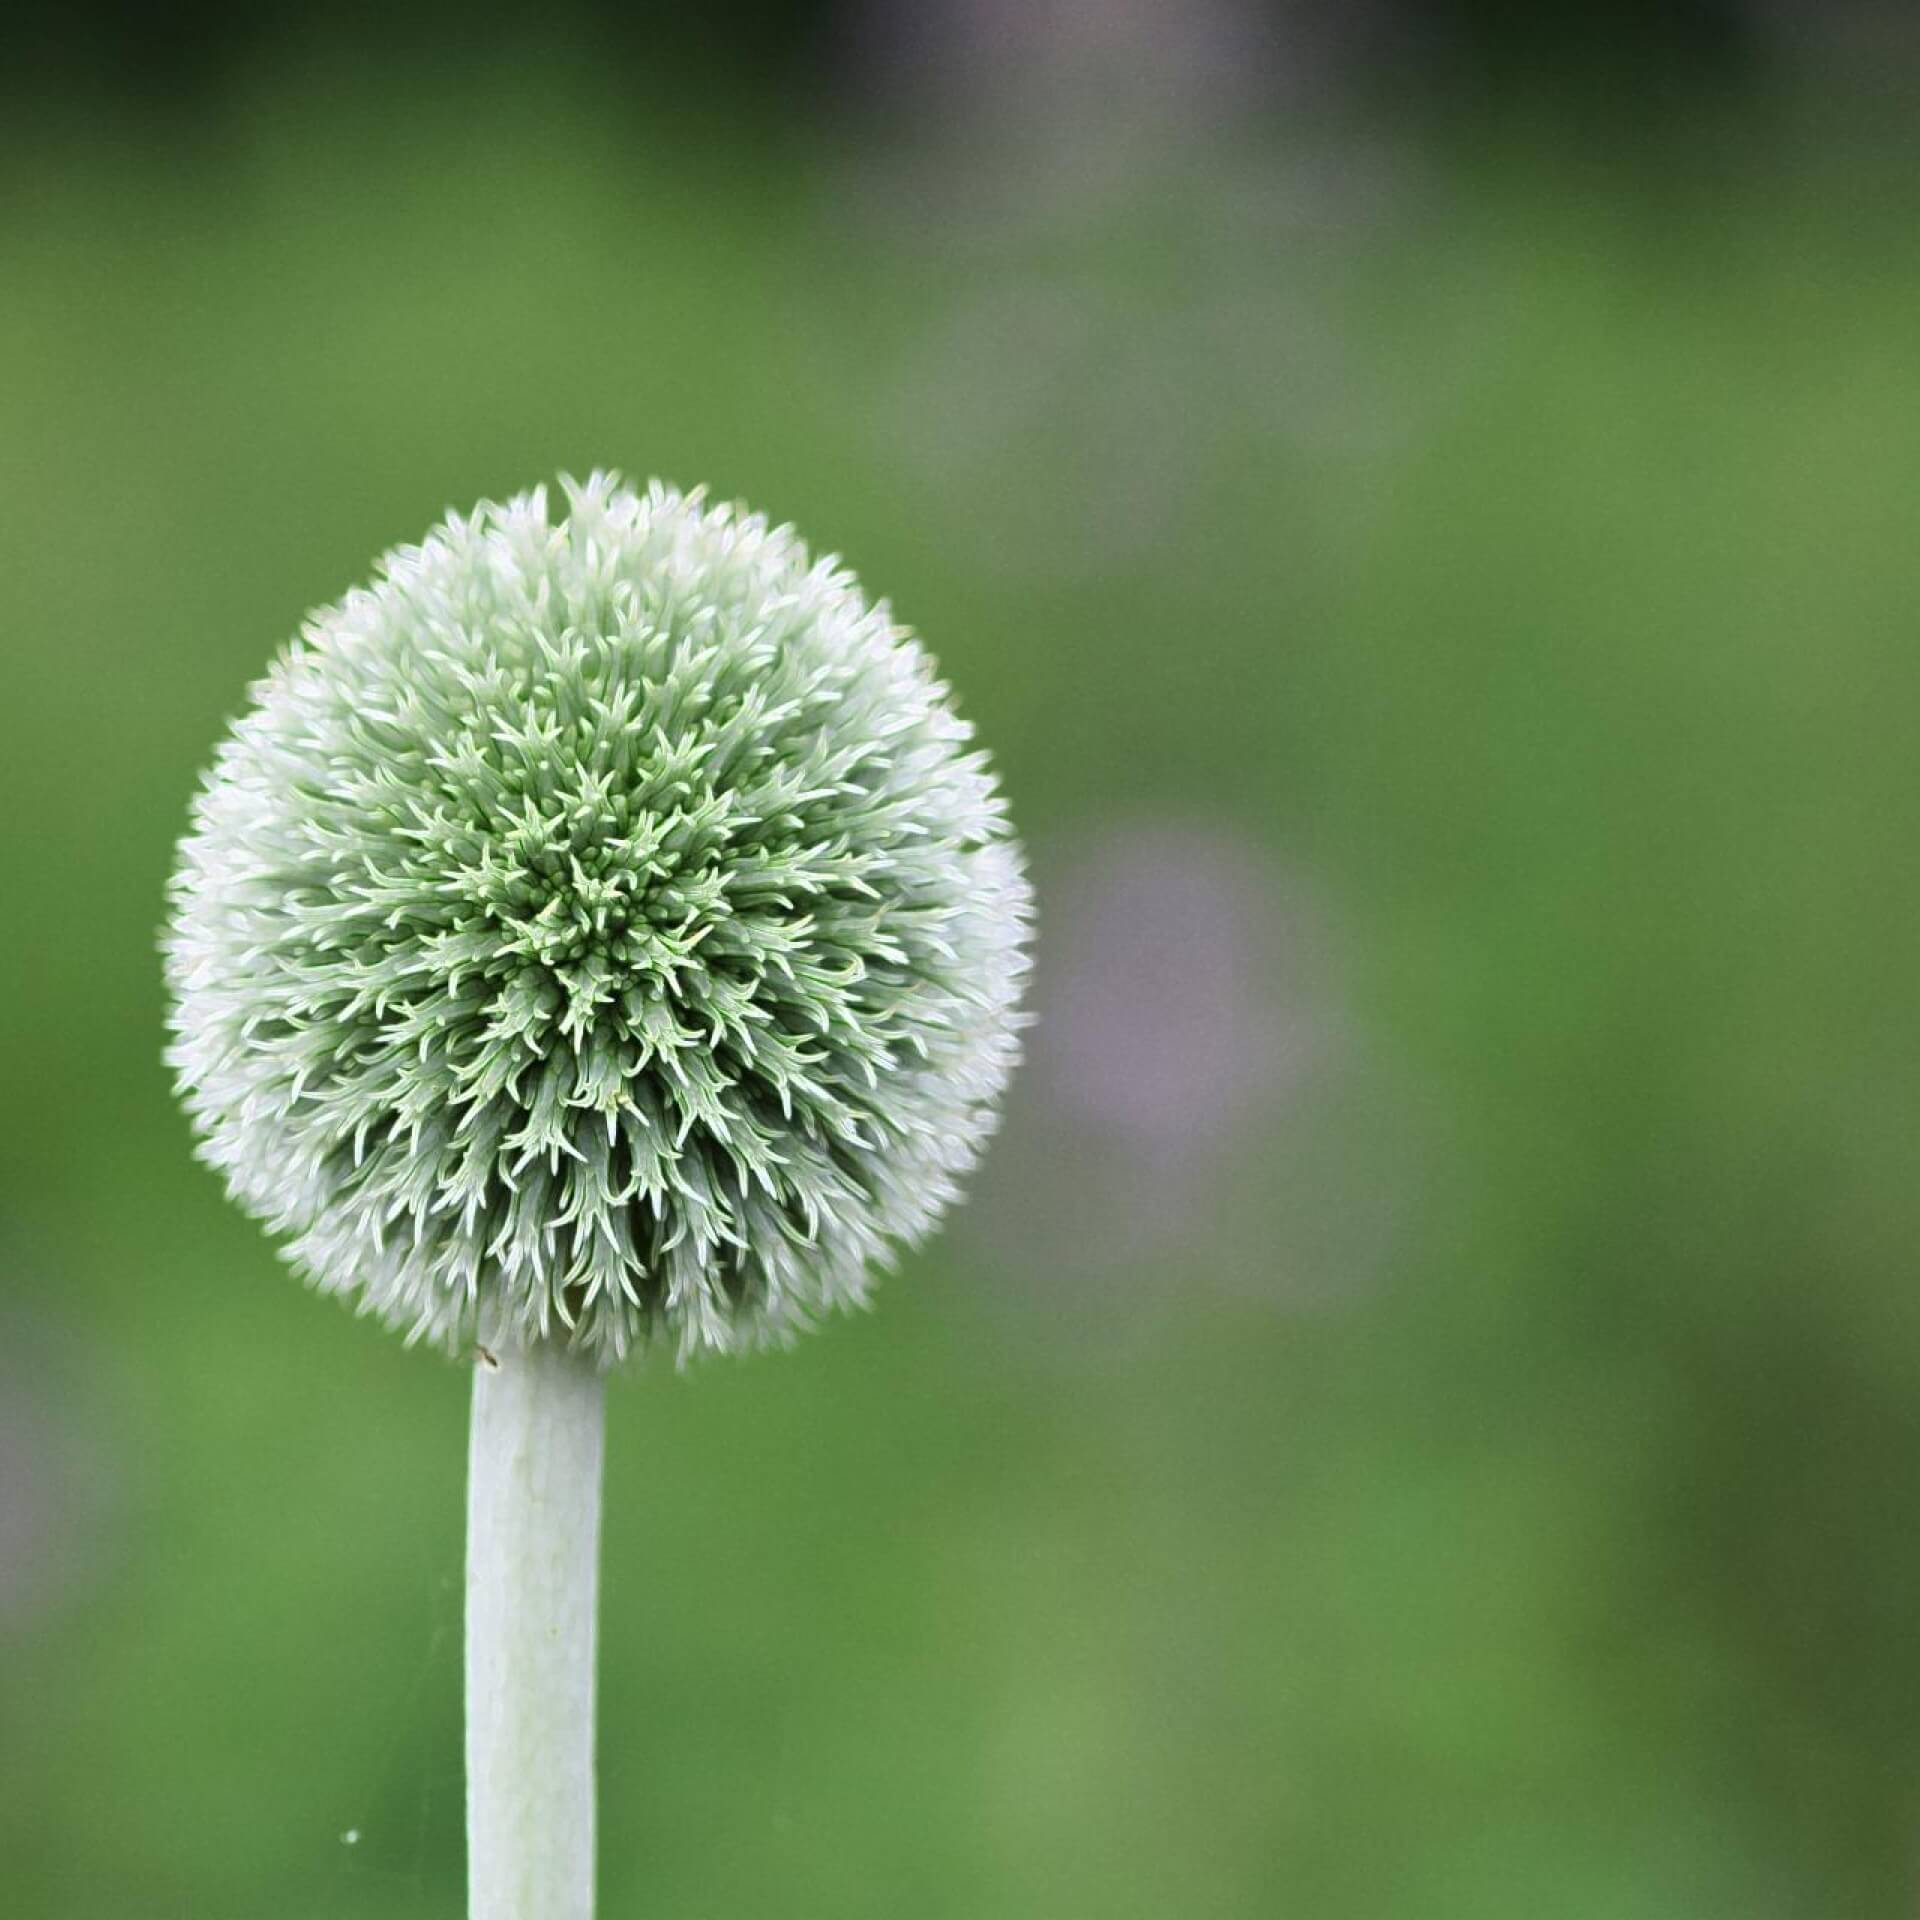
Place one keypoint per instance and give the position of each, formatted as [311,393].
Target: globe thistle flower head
[598,929]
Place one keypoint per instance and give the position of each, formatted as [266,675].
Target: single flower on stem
[597,935]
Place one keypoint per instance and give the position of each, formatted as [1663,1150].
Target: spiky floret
[597,929]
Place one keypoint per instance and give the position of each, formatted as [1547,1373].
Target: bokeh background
[1422,1414]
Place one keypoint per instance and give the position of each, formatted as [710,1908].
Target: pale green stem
[533,1552]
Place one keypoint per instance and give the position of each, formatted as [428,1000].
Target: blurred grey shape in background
[1201,1118]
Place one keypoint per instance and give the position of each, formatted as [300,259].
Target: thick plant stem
[533,1571]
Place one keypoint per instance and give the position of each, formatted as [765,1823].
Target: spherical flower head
[598,930]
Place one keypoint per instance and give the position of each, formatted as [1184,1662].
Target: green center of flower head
[588,907]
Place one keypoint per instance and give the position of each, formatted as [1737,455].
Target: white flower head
[598,929]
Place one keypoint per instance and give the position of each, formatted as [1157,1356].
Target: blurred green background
[1422,1414]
